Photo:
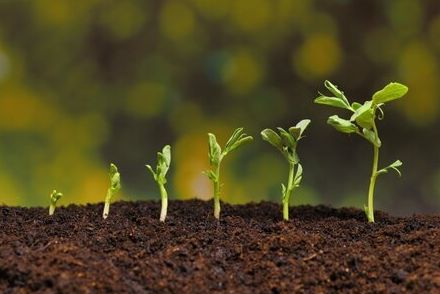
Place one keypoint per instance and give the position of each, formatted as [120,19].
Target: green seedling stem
[216,156]
[159,175]
[286,142]
[115,186]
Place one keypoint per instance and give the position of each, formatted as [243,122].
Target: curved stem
[164,198]
[288,192]
[370,209]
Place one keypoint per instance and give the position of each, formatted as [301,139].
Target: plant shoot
[286,142]
[163,164]
[363,123]
[216,156]
[54,197]
[115,186]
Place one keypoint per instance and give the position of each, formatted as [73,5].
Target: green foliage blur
[88,82]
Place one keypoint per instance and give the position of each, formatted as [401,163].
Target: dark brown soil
[249,251]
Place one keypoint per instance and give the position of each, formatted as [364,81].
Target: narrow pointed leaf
[394,166]
[272,137]
[243,140]
[390,92]
[214,150]
[331,101]
[298,175]
[234,137]
[335,91]
[287,138]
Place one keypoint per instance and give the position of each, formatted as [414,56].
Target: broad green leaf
[287,138]
[342,125]
[390,92]
[371,136]
[299,129]
[331,101]
[395,166]
[272,137]
[214,150]
[364,115]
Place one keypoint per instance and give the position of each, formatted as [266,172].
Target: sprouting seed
[363,123]
[216,156]
[286,142]
[54,197]
[115,186]
[163,164]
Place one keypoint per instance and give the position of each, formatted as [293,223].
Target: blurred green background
[85,83]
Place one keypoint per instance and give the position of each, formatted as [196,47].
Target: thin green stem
[164,198]
[288,192]
[370,208]
[107,204]
[217,192]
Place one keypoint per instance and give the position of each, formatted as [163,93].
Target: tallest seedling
[216,156]
[363,123]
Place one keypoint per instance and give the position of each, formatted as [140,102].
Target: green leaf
[342,125]
[151,170]
[115,178]
[273,138]
[335,91]
[298,176]
[371,137]
[355,105]
[55,196]
[390,92]
[234,137]
[331,101]
[214,150]
[287,138]
[211,175]
[394,166]
[243,140]
[283,190]
[364,115]
[166,153]
[299,129]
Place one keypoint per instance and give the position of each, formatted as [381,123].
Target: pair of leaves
[55,196]
[115,179]
[286,141]
[394,166]
[237,139]
[163,165]
[338,100]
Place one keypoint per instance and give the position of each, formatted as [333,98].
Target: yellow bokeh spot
[251,15]
[51,13]
[242,72]
[146,99]
[191,159]
[318,57]
[177,21]
[419,69]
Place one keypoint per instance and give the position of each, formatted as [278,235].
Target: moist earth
[250,250]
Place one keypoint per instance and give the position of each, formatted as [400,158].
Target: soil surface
[250,250]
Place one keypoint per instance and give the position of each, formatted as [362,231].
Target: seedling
[216,156]
[363,123]
[54,197]
[115,186]
[286,142]
[163,164]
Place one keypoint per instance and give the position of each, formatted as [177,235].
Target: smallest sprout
[54,197]
[115,186]
[163,164]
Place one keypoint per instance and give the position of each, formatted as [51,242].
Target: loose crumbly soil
[250,250]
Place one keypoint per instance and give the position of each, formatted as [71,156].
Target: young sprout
[363,123]
[54,197]
[115,186]
[286,142]
[216,156]
[163,164]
